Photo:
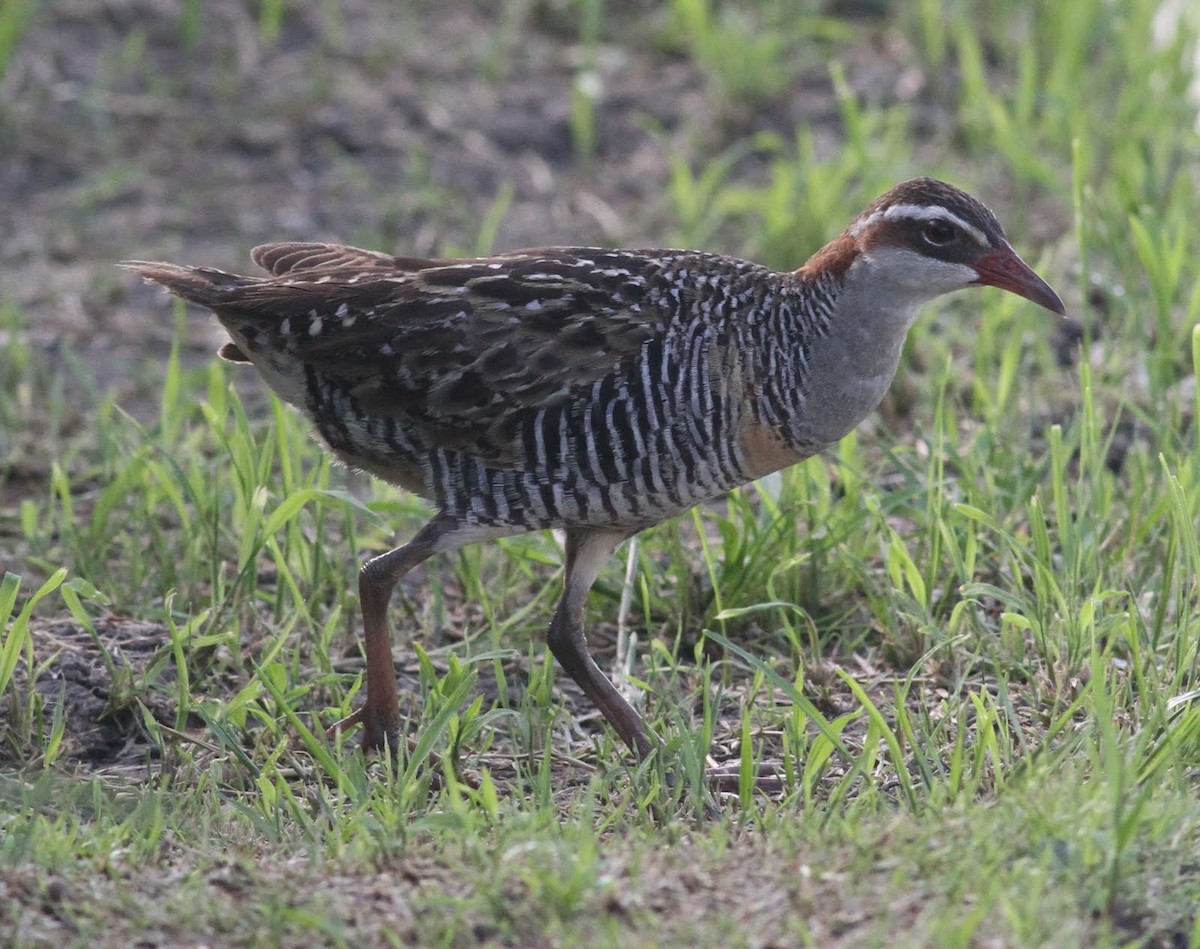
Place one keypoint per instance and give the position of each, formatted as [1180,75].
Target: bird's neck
[874,314]
[844,362]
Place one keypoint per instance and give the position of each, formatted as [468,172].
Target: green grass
[751,53]
[968,639]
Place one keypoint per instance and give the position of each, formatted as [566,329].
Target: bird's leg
[587,551]
[380,713]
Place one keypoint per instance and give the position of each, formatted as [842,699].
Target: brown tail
[205,286]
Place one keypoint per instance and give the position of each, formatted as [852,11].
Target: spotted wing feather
[455,349]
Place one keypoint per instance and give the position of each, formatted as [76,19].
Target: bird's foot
[726,778]
[378,732]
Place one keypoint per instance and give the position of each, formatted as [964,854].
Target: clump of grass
[751,52]
[831,189]
[15,17]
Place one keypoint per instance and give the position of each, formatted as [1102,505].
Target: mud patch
[99,682]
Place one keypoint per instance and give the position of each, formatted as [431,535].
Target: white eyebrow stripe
[921,212]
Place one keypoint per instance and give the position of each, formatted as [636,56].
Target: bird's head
[924,238]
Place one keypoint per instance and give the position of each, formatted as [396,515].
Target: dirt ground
[128,131]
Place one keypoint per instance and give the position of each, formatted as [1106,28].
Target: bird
[596,391]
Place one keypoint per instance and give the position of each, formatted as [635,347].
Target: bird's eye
[939,232]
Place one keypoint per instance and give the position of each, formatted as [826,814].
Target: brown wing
[460,350]
[286,258]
